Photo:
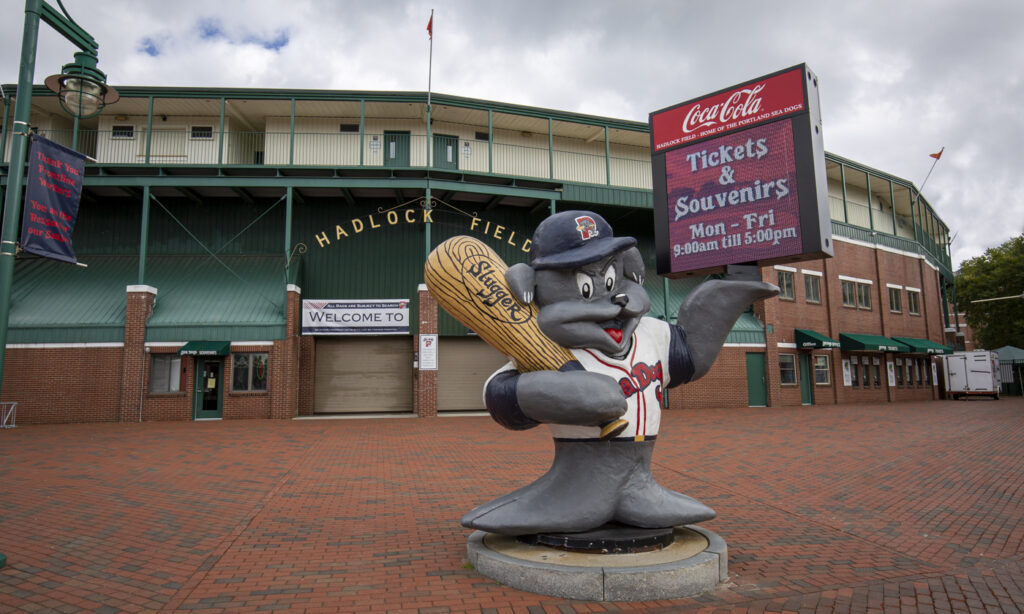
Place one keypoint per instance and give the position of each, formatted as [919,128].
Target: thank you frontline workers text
[52,196]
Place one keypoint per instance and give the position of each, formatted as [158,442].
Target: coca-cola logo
[742,103]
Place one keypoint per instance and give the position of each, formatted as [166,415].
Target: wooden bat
[467,278]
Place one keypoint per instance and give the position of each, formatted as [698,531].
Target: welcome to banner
[52,196]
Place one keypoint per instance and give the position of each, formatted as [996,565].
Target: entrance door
[208,397]
[465,363]
[446,151]
[363,374]
[806,380]
[396,149]
[757,385]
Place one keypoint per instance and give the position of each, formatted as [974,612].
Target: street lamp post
[83,92]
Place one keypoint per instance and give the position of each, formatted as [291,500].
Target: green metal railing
[190,147]
[926,247]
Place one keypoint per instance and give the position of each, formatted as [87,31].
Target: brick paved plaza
[897,508]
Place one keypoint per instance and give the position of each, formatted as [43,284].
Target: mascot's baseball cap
[574,238]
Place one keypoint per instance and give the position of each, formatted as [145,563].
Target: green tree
[998,272]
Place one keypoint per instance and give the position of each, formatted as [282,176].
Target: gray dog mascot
[588,287]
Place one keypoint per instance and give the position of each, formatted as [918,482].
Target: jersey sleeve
[680,363]
[502,402]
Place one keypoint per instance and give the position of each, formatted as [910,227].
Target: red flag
[934,155]
[430,26]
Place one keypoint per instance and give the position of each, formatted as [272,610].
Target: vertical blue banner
[52,194]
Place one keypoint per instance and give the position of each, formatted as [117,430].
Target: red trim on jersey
[641,397]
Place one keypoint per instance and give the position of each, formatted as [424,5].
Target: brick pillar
[767,311]
[133,359]
[424,385]
[284,399]
[832,294]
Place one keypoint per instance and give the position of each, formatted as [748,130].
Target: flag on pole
[430,26]
[934,155]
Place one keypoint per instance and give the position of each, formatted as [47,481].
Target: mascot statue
[587,286]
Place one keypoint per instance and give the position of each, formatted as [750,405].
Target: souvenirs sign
[739,177]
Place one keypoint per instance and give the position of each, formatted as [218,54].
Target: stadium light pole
[999,298]
[83,92]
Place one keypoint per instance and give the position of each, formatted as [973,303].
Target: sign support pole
[34,11]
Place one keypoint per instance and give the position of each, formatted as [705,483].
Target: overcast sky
[899,79]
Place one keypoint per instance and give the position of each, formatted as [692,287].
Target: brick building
[210,215]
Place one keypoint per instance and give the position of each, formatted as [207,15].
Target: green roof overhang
[809,339]
[870,343]
[924,346]
[206,348]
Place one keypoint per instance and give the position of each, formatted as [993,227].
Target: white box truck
[974,373]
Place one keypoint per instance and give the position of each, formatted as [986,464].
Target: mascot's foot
[645,503]
[579,493]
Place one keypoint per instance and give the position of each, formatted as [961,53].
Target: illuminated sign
[739,177]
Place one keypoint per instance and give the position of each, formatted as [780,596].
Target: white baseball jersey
[643,375]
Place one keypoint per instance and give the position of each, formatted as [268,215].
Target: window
[821,372]
[348,127]
[913,303]
[927,373]
[866,380]
[249,372]
[899,372]
[202,132]
[481,136]
[787,369]
[849,294]
[894,300]
[917,372]
[122,132]
[854,371]
[812,288]
[786,285]
[164,373]
[863,296]
[876,370]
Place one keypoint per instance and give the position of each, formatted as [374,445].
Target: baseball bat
[467,278]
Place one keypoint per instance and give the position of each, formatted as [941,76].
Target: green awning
[206,348]
[924,346]
[870,343]
[808,339]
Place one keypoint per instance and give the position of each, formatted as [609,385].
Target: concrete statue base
[695,562]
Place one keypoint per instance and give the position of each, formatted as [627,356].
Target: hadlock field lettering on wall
[415,215]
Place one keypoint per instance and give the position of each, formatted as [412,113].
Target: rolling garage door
[363,374]
[464,364]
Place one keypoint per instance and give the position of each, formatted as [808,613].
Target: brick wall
[285,373]
[139,307]
[424,387]
[307,375]
[725,385]
[61,385]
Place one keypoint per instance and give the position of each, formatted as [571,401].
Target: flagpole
[917,195]
[929,170]
[430,64]
[427,200]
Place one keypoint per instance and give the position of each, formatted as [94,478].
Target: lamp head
[81,87]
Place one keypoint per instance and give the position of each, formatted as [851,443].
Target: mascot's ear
[633,265]
[520,280]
